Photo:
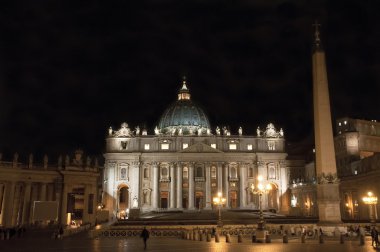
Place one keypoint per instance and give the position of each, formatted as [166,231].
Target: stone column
[155,194]
[220,177]
[243,181]
[57,189]
[179,186]
[284,199]
[64,203]
[191,187]
[42,191]
[172,187]
[225,185]
[1,198]
[16,204]
[2,187]
[208,187]
[8,204]
[117,197]
[26,205]
[87,189]
[134,178]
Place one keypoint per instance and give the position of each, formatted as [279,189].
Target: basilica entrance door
[184,202]
[233,197]
[199,200]
[123,202]
[273,197]
[164,199]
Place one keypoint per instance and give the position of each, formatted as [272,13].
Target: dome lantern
[184,93]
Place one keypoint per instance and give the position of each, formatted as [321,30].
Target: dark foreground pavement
[81,243]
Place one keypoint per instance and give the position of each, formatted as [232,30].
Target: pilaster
[208,186]
[87,189]
[155,194]
[179,185]
[191,186]
[172,187]
[64,204]
[226,185]
[42,192]
[243,193]
[8,204]
[26,205]
[135,185]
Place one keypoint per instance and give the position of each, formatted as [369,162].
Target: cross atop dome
[184,93]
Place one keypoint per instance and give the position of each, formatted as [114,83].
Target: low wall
[311,230]
[72,231]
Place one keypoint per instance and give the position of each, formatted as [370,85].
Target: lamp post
[371,201]
[260,189]
[219,201]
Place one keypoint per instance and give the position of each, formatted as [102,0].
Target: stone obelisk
[328,184]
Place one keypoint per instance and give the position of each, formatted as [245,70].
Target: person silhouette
[145,236]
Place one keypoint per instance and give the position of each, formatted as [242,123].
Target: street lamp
[261,189]
[371,201]
[219,201]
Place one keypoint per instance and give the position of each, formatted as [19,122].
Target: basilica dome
[184,117]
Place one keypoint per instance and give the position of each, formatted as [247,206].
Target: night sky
[71,69]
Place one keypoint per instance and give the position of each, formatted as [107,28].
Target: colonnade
[176,189]
[16,198]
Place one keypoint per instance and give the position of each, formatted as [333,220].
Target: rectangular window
[146,146]
[249,146]
[213,172]
[232,146]
[124,145]
[213,146]
[271,145]
[164,146]
[185,145]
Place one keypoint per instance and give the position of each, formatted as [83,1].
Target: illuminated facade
[48,193]
[185,163]
[357,146]
[355,139]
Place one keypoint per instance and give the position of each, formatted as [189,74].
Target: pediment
[200,148]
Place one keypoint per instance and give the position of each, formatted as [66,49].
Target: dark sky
[71,69]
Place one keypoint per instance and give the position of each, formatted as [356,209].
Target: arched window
[213,172]
[250,172]
[271,145]
[199,172]
[146,172]
[271,171]
[123,145]
[123,173]
[233,172]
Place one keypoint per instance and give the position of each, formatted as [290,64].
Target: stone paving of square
[81,243]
